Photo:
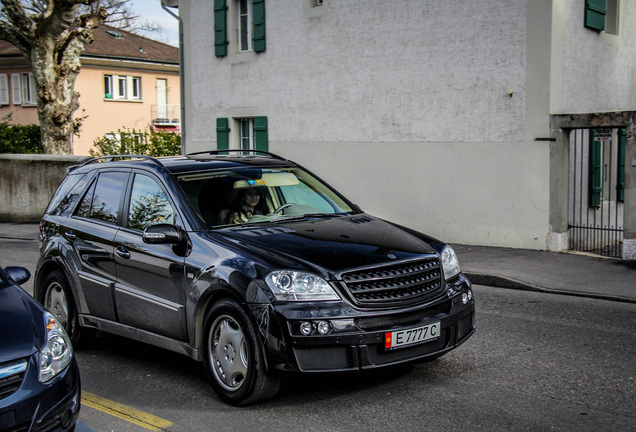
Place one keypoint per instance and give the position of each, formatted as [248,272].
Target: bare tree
[52,35]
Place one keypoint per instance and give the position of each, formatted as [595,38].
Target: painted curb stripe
[131,415]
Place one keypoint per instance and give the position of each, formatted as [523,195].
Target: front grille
[11,376]
[399,284]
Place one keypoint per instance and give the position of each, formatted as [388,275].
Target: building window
[122,87]
[28,89]
[245,25]
[602,15]
[252,134]
[247,20]
[108,86]
[136,87]
[247,133]
[16,89]
[4,89]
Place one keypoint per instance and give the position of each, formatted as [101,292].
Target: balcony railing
[165,115]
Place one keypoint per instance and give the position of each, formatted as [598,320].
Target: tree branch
[17,17]
[9,33]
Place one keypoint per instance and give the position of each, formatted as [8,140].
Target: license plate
[403,338]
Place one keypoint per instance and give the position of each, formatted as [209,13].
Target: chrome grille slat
[396,284]
[11,376]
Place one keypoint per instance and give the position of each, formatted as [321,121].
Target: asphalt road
[538,362]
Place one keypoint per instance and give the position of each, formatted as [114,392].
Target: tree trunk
[53,41]
[57,100]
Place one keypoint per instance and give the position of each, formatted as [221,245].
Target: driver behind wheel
[248,202]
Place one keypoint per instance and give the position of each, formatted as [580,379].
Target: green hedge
[131,141]
[19,138]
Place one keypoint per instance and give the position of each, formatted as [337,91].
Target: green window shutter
[260,134]
[596,180]
[595,11]
[220,28]
[620,181]
[258,34]
[222,134]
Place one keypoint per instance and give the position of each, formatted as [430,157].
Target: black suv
[248,262]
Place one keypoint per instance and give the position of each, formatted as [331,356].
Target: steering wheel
[280,209]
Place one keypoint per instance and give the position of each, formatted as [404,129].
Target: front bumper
[49,407]
[357,339]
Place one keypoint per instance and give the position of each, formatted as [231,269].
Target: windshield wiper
[307,216]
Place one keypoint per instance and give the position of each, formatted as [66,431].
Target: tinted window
[66,194]
[102,199]
[149,205]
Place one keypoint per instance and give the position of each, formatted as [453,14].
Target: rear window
[66,194]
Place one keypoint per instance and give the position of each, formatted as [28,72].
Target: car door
[149,292]
[91,232]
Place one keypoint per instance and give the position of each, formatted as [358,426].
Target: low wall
[27,183]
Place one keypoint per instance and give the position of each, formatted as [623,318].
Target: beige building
[126,82]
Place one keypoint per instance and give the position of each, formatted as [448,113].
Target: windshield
[253,195]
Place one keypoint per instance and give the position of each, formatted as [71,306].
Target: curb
[498,281]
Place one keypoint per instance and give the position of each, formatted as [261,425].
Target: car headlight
[298,286]
[450,263]
[57,353]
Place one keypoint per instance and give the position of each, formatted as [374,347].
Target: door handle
[70,235]
[122,252]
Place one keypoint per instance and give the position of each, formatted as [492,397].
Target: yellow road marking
[131,415]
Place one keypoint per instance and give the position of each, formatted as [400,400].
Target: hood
[17,338]
[334,244]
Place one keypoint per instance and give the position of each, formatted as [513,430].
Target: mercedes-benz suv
[247,262]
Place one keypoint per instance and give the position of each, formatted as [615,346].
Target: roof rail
[111,158]
[241,151]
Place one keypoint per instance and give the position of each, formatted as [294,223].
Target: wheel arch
[214,294]
[45,268]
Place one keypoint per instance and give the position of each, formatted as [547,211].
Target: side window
[149,205]
[102,200]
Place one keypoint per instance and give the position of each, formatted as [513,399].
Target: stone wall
[27,183]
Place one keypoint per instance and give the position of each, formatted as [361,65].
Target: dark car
[249,263]
[39,378]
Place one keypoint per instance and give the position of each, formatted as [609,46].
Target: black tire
[57,298]
[233,357]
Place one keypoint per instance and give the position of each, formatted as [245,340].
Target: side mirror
[19,274]
[162,234]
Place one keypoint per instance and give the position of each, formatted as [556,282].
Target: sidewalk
[551,272]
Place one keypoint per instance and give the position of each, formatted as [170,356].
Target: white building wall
[422,112]
[598,67]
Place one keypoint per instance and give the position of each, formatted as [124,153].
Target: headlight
[297,286]
[57,353]
[450,263]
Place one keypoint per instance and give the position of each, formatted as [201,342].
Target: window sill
[124,100]
[242,57]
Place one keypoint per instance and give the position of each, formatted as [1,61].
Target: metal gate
[596,191]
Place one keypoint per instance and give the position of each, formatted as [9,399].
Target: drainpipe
[175,3]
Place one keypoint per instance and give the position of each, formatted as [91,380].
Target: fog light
[324,327]
[465,298]
[305,328]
